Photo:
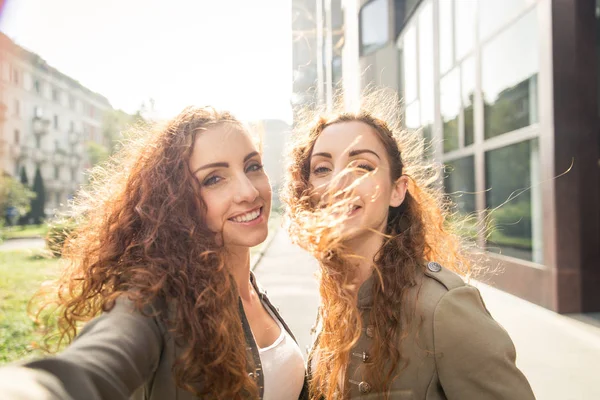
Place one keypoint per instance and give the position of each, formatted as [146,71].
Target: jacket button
[370,331]
[364,387]
[434,267]
[365,357]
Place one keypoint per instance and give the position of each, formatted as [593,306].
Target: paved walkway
[18,244]
[560,355]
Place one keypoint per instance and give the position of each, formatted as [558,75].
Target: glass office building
[507,92]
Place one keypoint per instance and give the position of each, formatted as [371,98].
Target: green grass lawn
[16,232]
[21,273]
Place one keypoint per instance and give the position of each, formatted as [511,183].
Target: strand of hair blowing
[416,231]
[140,234]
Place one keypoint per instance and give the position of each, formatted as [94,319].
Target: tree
[97,153]
[117,122]
[24,179]
[25,182]
[15,198]
[39,202]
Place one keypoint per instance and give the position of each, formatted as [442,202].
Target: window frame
[361,49]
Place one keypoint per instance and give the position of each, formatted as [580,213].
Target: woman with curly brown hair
[160,264]
[397,320]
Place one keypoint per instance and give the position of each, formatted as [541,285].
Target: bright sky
[233,54]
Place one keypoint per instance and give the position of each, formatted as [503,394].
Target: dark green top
[121,354]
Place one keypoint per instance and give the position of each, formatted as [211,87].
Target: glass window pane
[402,11]
[426,77]
[374,25]
[509,68]
[336,71]
[412,116]
[446,42]
[465,11]
[459,183]
[468,97]
[514,201]
[450,108]
[409,56]
[495,13]
[401,92]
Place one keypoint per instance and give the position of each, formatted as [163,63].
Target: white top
[283,366]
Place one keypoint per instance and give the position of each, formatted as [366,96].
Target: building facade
[507,93]
[47,121]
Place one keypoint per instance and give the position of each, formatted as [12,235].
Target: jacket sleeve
[115,354]
[475,357]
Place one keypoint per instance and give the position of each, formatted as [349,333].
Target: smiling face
[233,185]
[350,157]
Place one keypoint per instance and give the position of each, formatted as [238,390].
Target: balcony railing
[39,156]
[40,126]
[59,158]
[15,151]
[74,161]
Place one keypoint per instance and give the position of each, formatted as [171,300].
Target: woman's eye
[366,167]
[213,180]
[254,168]
[321,170]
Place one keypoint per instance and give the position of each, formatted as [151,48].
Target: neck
[365,247]
[238,262]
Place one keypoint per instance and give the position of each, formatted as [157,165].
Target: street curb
[24,237]
[257,257]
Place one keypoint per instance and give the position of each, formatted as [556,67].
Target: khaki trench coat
[456,352]
[122,354]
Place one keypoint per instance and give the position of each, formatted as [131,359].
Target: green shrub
[57,233]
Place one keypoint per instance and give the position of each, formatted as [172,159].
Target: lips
[353,209]
[247,216]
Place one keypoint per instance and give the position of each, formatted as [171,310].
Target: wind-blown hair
[141,234]
[416,231]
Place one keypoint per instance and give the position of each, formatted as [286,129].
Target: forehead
[342,137]
[221,142]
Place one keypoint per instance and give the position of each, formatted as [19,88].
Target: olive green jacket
[456,350]
[122,354]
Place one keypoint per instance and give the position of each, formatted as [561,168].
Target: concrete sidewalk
[560,355]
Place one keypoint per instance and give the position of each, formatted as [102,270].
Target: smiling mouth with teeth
[248,217]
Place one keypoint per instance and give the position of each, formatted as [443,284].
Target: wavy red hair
[140,234]
[416,231]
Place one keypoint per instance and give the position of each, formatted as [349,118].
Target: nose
[340,186]
[245,190]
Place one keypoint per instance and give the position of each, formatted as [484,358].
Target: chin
[351,235]
[248,241]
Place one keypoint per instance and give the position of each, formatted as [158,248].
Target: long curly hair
[416,231]
[140,233]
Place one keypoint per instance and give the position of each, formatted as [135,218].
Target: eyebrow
[224,164]
[326,155]
[352,153]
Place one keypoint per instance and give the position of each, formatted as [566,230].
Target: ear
[399,191]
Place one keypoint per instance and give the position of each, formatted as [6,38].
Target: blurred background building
[274,135]
[508,93]
[46,120]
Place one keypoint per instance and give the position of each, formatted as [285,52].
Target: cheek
[263,186]
[215,209]
[375,192]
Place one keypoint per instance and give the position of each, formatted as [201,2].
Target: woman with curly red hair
[160,264]
[397,320]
